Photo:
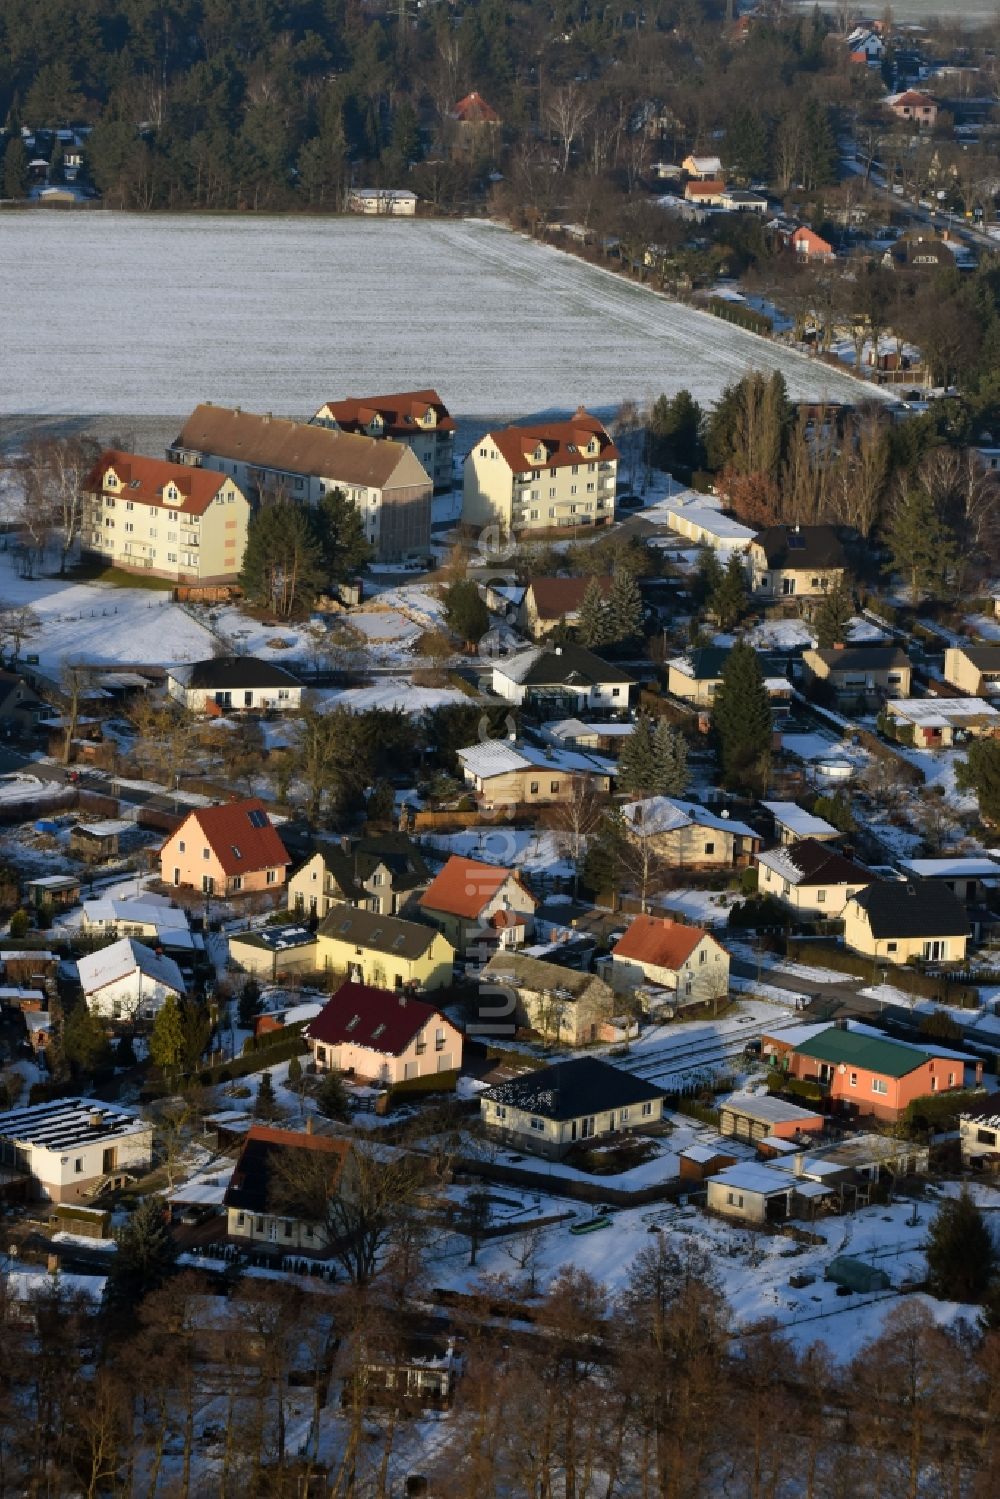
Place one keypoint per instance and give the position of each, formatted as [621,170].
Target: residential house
[811,878]
[229,849]
[561,1004]
[708,192]
[604,738]
[659,953]
[272,1167]
[234,684]
[562,679]
[969,878]
[803,562]
[549,602]
[792,822]
[979,1130]
[940,722]
[865,45]
[383,950]
[383,1037]
[905,920]
[378,872]
[862,1074]
[476,126]
[389,202]
[686,835]
[548,475]
[71,1148]
[128,981]
[275,952]
[914,105]
[701,167]
[759,1117]
[153,918]
[706,524]
[973,669]
[418,419]
[417,1374]
[871,672]
[514,775]
[696,676]
[476,904]
[810,247]
[738,200]
[20,706]
[267,455]
[548,1111]
[145,515]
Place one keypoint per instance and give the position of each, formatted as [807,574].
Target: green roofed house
[861,1073]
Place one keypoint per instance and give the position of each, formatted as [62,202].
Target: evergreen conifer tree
[145,1256]
[670,757]
[960,1255]
[980,772]
[833,616]
[266,1105]
[741,718]
[84,1042]
[592,621]
[707,579]
[15,170]
[624,612]
[920,542]
[340,528]
[728,600]
[283,562]
[166,1041]
[637,763]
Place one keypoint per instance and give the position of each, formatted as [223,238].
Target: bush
[434,1082]
[253,1062]
[934,1112]
[19,924]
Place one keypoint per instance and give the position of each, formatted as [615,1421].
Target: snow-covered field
[281,314]
[391,693]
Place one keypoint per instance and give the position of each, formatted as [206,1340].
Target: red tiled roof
[709,187]
[232,833]
[251,1186]
[378,1019]
[474,110]
[813,243]
[503,919]
[657,939]
[464,886]
[913,98]
[399,412]
[555,597]
[143,480]
[563,443]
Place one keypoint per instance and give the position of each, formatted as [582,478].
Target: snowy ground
[391,692]
[581,334]
[99,623]
[703,907]
[534,852]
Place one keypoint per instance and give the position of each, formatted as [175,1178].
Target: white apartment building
[147,515]
[556,474]
[270,456]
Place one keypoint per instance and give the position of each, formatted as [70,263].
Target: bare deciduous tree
[566,111]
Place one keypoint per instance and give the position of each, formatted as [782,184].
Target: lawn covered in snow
[281,314]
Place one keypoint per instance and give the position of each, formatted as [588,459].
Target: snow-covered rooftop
[797,820]
[978,868]
[665,814]
[110,964]
[940,712]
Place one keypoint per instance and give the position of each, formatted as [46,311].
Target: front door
[177,875]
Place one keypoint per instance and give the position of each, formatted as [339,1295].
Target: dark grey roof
[818,863]
[567,1090]
[801,546]
[229,673]
[986,657]
[913,908]
[571,664]
[386,934]
[864,658]
[350,867]
[707,662]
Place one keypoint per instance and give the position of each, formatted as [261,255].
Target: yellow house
[864,670]
[149,516]
[383,951]
[803,562]
[810,877]
[905,920]
[556,474]
[973,669]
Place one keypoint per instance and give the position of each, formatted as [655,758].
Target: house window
[181,845]
[241,1219]
[553,787]
[500,1111]
[647,1111]
[622,1116]
[78,1165]
[572,488]
[286,1228]
[986,1137]
[237,882]
[552,492]
[891,946]
[933,1084]
[854,1079]
[616,692]
[701,956]
[951,1080]
[272,875]
[821,897]
[879,1086]
[205,853]
[258,1225]
[533,788]
[734,1199]
[710,848]
[537,1124]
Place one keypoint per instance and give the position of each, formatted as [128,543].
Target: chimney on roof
[96,1120]
[266,417]
[800,1164]
[838,645]
[841,1023]
[402,1001]
[309,1124]
[52,1264]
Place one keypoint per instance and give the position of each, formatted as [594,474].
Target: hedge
[924,985]
[939,1111]
[741,315]
[268,1039]
[795,1087]
[226,1072]
[433,1082]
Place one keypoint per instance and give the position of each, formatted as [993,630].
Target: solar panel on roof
[258,819]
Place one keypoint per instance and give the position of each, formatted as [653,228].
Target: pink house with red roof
[382,1036]
[230,849]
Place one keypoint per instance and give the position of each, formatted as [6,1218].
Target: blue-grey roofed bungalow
[550,1110]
